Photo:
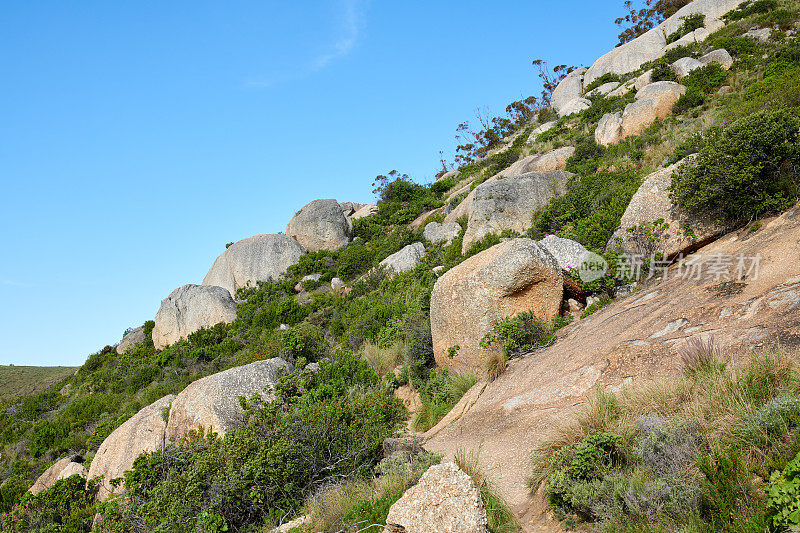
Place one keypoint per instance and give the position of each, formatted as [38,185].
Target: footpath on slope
[632,341]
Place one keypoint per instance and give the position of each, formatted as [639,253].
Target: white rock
[320,225]
[685,65]
[190,308]
[406,259]
[609,129]
[719,56]
[569,89]
[441,233]
[604,89]
[575,106]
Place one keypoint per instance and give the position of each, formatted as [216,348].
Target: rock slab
[406,259]
[445,500]
[131,339]
[437,233]
[61,469]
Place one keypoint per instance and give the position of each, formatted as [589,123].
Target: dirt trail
[634,340]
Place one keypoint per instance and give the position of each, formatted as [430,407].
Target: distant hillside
[26,380]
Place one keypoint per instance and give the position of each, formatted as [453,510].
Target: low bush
[783,490]
[706,79]
[751,7]
[746,170]
[689,24]
[439,394]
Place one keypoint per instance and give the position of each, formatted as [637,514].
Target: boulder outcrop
[553,160]
[685,65]
[406,259]
[143,432]
[131,339]
[61,469]
[510,203]
[651,203]
[653,102]
[567,253]
[190,308]
[258,258]
[511,277]
[213,401]
[719,56]
[445,500]
[573,107]
[320,225]
[437,233]
[569,89]
[364,211]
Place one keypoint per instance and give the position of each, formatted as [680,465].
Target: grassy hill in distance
[26,380]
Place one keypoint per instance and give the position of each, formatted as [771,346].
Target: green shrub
[608,77]
[586,158]
[68,506]
[520,333]
[748,8]
[692,98]
[689,24]
[783,503]
[706,79]
[662,71]
[737,46]
[746,170]
[439,394]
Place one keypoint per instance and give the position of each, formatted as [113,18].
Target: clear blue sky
[137,138]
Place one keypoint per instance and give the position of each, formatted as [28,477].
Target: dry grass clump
[383,360]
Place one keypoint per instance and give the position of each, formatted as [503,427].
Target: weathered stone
[553,160]
[653,102]
[569,89]
[406,259]
[573,107]
[644,80]
[338,285]
[604,89]
[547,126]
[511,277]
[213,401]
[685,65]
[445,500]
[364,211]
[259,258]
[510,203]
[567,253]
[623,89]
[190,308]
[131,339]
[650,203]
[61,469]
[320,225]
[441,233]
[762,35]
[609,129]
[719,56]
[143,432]
[348,208]
[296,524]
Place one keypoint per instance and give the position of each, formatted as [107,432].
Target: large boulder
[573,107]
[685,65]
[547,126]
[437,233]
[652,45]
[510,203]
[653,102]
[131,339]
[511,277]
[320,225]
[190,308]
[567,253]
[213,401]
[651,203]
[406,259]
[364,211]
[569,89]
[61,469]
[445,500]
[258,258]
[719,56]
[553,160]
[348,208]
[604,89]
[143,432]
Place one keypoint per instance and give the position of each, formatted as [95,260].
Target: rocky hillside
[590,322]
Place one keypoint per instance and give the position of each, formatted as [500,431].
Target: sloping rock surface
[190,308]
[131,339]
[258,258]
[320,225]
[504,421]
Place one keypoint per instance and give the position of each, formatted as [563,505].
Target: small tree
[644,16]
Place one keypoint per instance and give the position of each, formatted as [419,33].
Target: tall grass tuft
[500,516]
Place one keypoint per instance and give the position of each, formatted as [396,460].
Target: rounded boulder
[320,225]
[190,308]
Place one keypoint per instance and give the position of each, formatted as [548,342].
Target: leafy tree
[641,17]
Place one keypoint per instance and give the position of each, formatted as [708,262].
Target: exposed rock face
[573,107]
[213,401]
[320,225]
[258,258]
[143,432]
[509,203]
[553,160]
[190,308]
[644,80]
[131,339]
[624,88]
[567,253]
[364,211]
[445,500]
[570,88]
[511,277]
[719,56]
[685,65]
[61,469]
[441,233]
[650,203]
[653,102]
[547,126]
[348,208]
[406,259]
[604,89]
[653,44]
[762,35]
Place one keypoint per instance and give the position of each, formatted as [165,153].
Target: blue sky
[137,138]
